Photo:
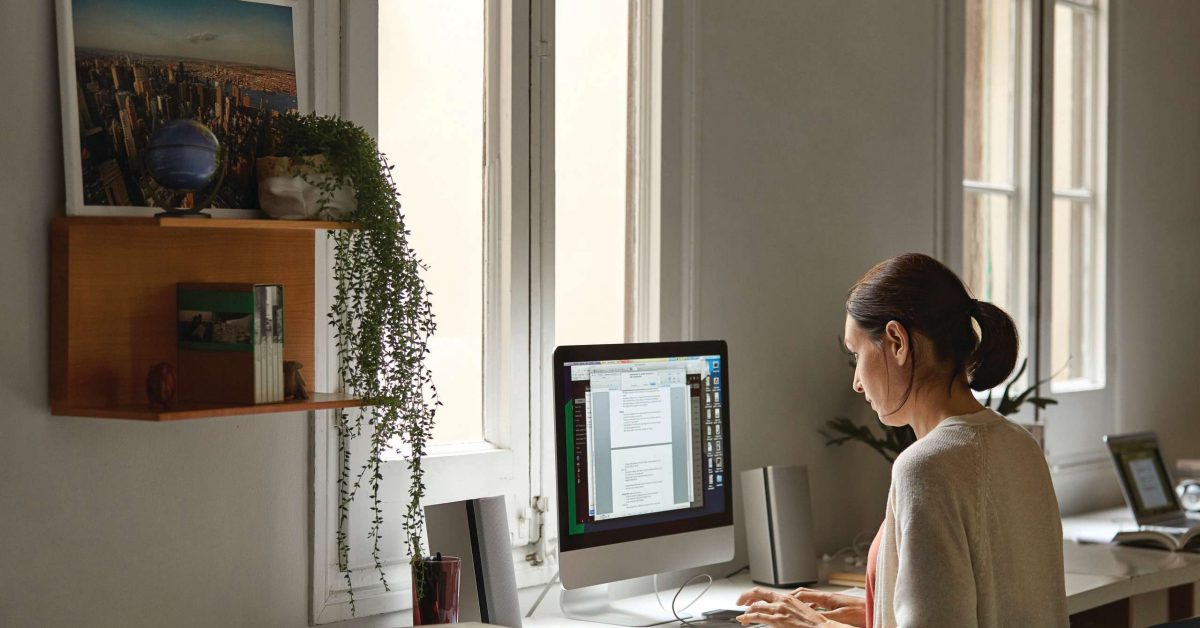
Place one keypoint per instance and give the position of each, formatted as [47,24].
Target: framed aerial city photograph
[128,67]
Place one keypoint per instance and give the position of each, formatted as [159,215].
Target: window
[445,88]
[530,182]
[1034,221]
[591,179]
[1077,232]
[996,199]
[431,127]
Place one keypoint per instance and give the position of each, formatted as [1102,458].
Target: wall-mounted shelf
[211,223]
[112,310]
[143,412]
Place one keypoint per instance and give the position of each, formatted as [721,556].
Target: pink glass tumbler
[435,590]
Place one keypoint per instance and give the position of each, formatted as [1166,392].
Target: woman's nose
[856,385]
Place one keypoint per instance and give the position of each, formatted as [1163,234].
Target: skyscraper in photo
[131,150]
[113,183]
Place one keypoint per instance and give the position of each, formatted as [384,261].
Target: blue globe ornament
[183,155]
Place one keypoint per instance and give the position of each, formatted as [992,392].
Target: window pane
[990,88]
[996,262]
[590,102]
[1076,301]
[431,126]
[1074,97]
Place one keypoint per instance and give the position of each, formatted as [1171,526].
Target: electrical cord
[675,611]
[736,572]
[858,547]
[542,596]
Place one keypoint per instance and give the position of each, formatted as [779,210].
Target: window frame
[519,252]
[516,321]
[1085,410]
[1017,189]
[662,197]
[1093,196]
[1075,462]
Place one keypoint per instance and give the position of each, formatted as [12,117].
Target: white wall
[817,131]
[121,523]
[1156,197]
[817,135]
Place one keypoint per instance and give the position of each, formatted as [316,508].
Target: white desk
[723,594]
[1088,591]
[1085,591]
[1153,581]
[1124,586]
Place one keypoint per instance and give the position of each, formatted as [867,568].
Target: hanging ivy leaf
[382,321]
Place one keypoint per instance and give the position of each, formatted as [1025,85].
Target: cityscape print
[228,64]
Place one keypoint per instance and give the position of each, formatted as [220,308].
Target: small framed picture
[128,67]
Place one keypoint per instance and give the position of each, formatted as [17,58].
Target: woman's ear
[896,342]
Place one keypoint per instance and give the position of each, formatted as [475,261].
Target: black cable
[682,621]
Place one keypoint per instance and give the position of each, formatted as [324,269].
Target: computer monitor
[1143,477]
[642,440]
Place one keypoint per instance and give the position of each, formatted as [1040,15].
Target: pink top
[872,556]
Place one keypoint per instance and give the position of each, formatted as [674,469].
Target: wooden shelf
[113,312]
[209,223]
[142,412]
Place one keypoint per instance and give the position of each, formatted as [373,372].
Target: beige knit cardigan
[972,535]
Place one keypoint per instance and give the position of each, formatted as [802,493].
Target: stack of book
[230,338]
[1173,540]
[848,578]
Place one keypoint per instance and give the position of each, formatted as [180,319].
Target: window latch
[535,520]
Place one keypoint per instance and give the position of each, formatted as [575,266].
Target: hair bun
[996,354]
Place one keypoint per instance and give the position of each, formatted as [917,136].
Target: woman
[971,534]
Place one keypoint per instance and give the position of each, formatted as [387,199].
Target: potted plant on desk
[896,439]
[381,317]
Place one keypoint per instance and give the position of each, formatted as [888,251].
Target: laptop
[1147,484]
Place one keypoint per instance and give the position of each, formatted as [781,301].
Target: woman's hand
[781,610]
[847,609]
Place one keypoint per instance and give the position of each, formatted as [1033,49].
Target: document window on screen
[646,437]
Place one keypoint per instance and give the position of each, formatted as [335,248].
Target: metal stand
[182,213]
[197,210]
[593,604]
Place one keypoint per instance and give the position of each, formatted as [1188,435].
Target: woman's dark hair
[922,294]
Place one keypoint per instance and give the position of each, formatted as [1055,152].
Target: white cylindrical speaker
[779,527]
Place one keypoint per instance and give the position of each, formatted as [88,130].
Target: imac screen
[643,444]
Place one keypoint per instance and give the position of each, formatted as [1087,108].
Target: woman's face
[879,373]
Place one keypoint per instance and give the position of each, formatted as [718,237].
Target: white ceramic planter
[288,193]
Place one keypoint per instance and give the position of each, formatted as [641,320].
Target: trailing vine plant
[381,317]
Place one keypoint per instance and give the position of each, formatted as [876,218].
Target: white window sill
[1079,384]
[442,450]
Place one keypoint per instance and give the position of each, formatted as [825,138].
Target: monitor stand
[594,604]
